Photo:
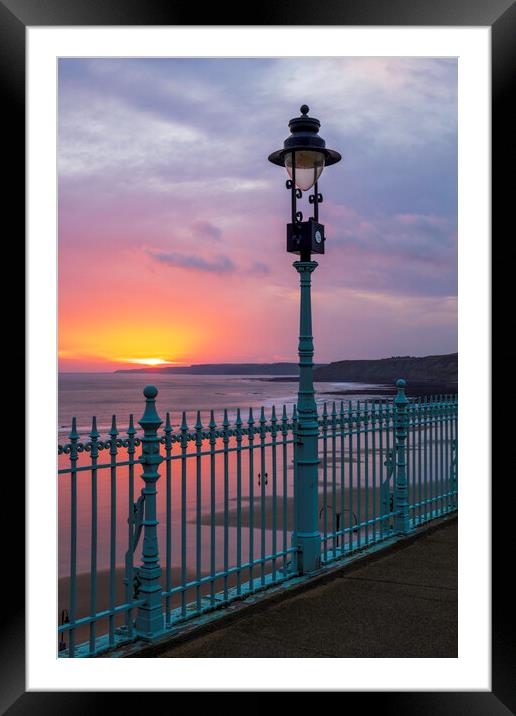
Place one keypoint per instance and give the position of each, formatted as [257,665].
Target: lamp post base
[308,552]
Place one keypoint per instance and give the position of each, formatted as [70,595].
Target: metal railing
[360,498]
[215,519]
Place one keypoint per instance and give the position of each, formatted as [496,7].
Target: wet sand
[245,512]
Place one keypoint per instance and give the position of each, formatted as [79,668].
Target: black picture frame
[500,15]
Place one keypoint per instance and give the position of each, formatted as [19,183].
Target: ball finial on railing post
[150,420]
[400,385]
[150,391]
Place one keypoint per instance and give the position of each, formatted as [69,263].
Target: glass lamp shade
[309,165]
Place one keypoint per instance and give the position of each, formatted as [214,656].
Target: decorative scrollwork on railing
[136,521]
[98,444]
[270,426]
[127,442]
[265,481]
[108,444]
[67,448]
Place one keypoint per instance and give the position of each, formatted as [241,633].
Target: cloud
[218,265]
[394,102]
[99,136]
[427,238]
[202,229]
[259,269]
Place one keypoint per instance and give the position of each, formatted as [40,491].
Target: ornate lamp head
[304,153]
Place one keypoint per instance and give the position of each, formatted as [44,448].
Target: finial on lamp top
[304,109]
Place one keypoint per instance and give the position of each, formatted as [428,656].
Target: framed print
[148,212]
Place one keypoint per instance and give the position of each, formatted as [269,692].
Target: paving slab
[404,604]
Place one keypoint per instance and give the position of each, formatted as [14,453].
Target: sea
[103,395]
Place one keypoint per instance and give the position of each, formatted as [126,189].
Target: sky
[172,239]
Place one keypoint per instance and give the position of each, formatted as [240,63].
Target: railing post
[307,538]
[401,506]
[149,620]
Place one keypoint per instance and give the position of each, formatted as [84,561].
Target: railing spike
[184,425]
[94,432]
[74,435]
[168,425]
[113,431]
[131,430]
[198,424]
[213,424]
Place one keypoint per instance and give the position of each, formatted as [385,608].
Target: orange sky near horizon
[167,314]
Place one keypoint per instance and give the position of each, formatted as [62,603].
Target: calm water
[102,394]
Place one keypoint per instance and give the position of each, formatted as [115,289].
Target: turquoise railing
[215,519]
[385,470]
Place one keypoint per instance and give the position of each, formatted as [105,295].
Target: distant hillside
[429,369]
[441,370]
[222,369]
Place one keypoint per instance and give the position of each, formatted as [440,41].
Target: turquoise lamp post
[305,155]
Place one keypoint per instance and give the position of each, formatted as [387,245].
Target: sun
[146,361]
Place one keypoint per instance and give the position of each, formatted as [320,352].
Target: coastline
[412,389]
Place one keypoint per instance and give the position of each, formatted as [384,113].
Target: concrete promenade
[401,604]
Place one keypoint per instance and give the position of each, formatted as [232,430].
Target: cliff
[440,369]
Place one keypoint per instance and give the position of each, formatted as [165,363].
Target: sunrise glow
[147,361]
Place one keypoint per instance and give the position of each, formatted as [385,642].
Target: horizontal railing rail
[215,519]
